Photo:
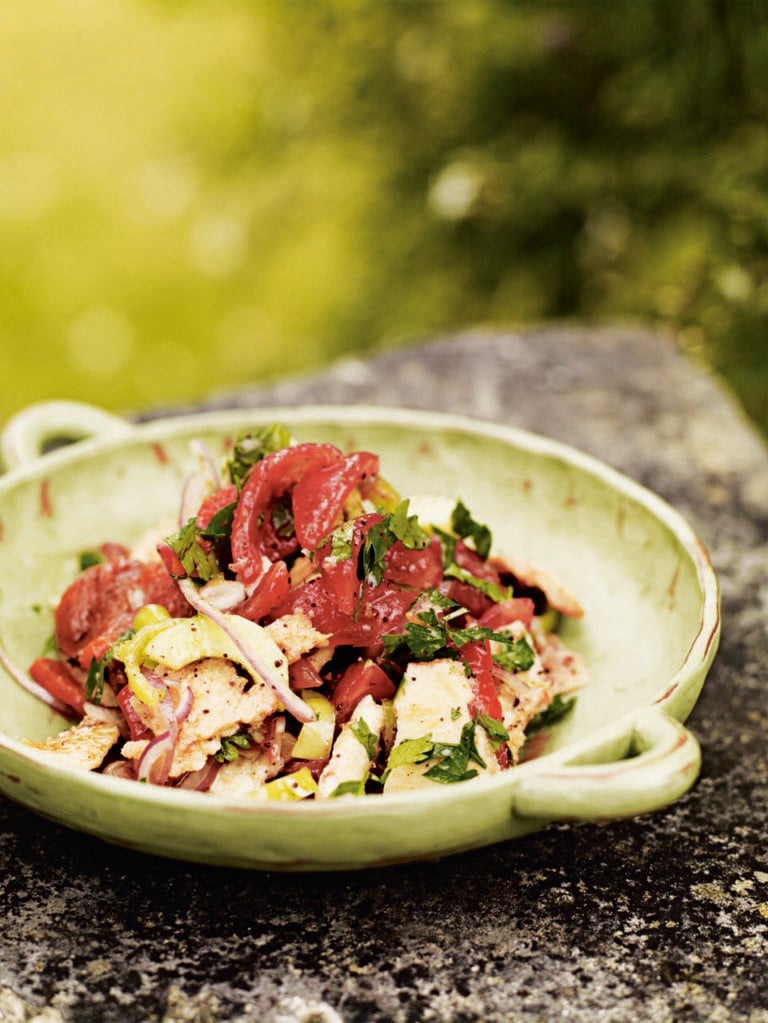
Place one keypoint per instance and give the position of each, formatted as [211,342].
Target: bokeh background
[197,195]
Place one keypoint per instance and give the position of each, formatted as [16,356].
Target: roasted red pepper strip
[320,494]
[102,601]
[58,679]
[486,700]
[269,480]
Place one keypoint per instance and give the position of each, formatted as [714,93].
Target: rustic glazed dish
[649,634]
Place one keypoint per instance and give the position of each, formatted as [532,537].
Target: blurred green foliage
[196,196]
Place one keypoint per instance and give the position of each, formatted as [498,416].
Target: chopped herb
[350,788]
[365,737]
[341,541]
[439,599]
[231,746]
[452,759]
[51,648]
[431,636]
[455,713]
[448,543]
[478,634]
[198,562]
[220,525]
[88,559]
[94,683]
[497,593]
[371,561]
[395,526]
[406,528]
[424,638]
[466,527]
[252,447]
[518,655]
[282,519]
[557,710]
[410,751]
[497,733]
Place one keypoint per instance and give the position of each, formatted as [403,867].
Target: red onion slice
[120,769]
[157,759]
[184,706]
[165,704]
[110,715]
[292,703]
[207,461]
[201,781]
[225,594]
[199,484]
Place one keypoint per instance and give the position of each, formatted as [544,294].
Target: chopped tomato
[517,609]
[354,611]
[381,611]
[468,596]
[273,587]
[60,680]
[363,678]
[304,675]
[218,500]
[114,551]
[471,562]
[403,568]
[417,569]
[171,561]
[340,575]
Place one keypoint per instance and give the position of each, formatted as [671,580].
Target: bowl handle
[48,424]
[660,761]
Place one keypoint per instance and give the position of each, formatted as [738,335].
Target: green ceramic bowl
[649,633]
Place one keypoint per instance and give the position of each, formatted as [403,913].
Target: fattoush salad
[304,632]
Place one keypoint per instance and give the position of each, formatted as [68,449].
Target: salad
[304,632]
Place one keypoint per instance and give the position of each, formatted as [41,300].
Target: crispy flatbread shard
[532,575]
[84,745]
[565,668]
[434,699]
[296,635]
[247,774]
[349,761]
[223,702]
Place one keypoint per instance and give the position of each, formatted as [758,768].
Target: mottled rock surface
[662,918]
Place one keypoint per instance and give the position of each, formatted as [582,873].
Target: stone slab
[661,918]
